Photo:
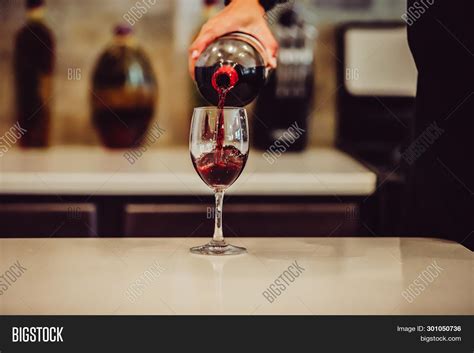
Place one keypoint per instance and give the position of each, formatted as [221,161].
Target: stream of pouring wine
[220,124]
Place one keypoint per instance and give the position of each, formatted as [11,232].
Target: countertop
[160,276]
[97,171]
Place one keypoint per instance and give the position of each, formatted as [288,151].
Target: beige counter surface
[160,276]
[97,171]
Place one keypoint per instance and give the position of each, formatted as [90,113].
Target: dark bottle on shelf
[236,60]
[285,103]
[124,91]
[34,60]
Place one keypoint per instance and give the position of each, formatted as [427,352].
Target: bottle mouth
[223,80]
[225,77]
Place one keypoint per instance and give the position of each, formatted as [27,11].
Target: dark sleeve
[442,184]
[267,4]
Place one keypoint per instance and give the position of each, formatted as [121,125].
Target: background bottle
[286,101]
[34,60]
[124,92]
[235,60]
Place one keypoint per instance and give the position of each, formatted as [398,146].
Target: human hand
[240,15]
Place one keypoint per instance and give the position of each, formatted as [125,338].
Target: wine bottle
[124,91]
[34,60]
[236,61]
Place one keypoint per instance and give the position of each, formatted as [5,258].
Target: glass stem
[218,234]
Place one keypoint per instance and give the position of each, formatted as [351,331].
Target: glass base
[218,248]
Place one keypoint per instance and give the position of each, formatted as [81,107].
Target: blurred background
[345,76]
[83,30]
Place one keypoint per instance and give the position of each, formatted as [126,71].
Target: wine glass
[219,147]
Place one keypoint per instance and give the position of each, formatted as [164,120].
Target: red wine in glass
[221,174]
